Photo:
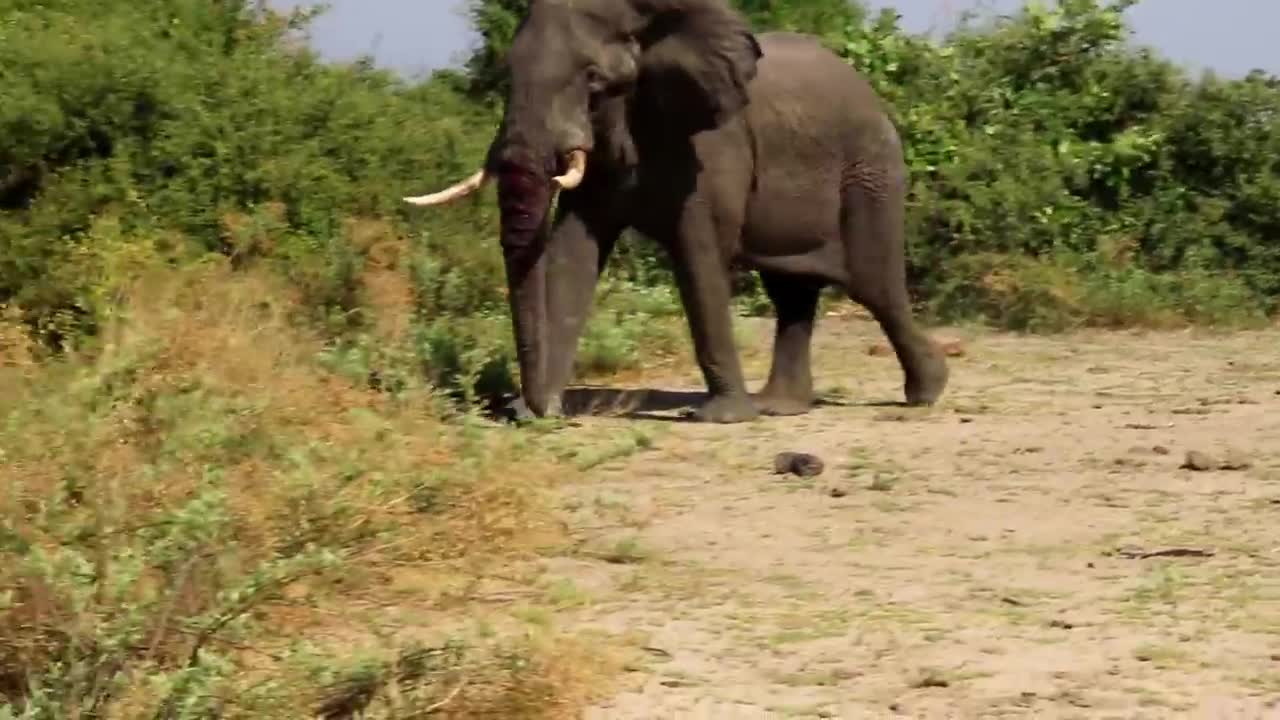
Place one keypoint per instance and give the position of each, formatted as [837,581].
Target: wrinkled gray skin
[724,147]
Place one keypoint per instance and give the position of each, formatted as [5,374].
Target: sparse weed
[627,551]
[564,593]
[883,482]
[590,456]
[1164,657]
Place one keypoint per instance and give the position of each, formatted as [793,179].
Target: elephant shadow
[631,403]
[661,404]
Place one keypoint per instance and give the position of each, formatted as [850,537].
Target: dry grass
[388,292]
[536,677]
[165,496]
[558,679]
[16,347]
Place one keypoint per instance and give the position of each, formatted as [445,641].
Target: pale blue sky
[413,36]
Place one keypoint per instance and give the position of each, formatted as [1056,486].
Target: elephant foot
[726,409]
[776,403]
[519,411]
[925,384]
[555,406]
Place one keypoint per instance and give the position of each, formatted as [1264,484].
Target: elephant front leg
[576,253]
[703,279]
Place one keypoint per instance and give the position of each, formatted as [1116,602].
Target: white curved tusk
[449,194]
[572,177]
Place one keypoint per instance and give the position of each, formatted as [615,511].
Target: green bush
[1047,136]
[181,114]
[158,132]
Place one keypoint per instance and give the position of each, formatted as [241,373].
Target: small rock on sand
[800,464]
[1201,461]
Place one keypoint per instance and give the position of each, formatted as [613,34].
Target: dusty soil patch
[1031,547]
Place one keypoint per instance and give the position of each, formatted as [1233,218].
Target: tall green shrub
[1041,146]
[177,114]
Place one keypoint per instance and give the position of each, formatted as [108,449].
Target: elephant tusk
[449,194]
[572,177]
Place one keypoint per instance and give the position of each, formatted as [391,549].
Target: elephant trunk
[524,198]
[527,283]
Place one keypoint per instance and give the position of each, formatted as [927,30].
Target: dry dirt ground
[1031,547]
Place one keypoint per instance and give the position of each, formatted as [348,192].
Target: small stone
[1160,450]
[1235,460]
[879,350]
[1198,461]
[799,464]
[837,491]
[1231,460]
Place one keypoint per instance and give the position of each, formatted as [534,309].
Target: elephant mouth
[525,196]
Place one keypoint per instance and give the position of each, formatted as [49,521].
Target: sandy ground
[1031,547]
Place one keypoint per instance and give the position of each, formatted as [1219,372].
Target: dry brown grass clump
[537,677]
[388,292]
[16,347]
[160,495]
[555,680]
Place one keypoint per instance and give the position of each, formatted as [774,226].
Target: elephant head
[587,78]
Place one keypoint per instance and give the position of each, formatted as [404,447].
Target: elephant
[726,147]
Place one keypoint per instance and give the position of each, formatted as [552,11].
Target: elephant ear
[698,56]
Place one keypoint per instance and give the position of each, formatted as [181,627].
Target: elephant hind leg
[789,390]
[872,226]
